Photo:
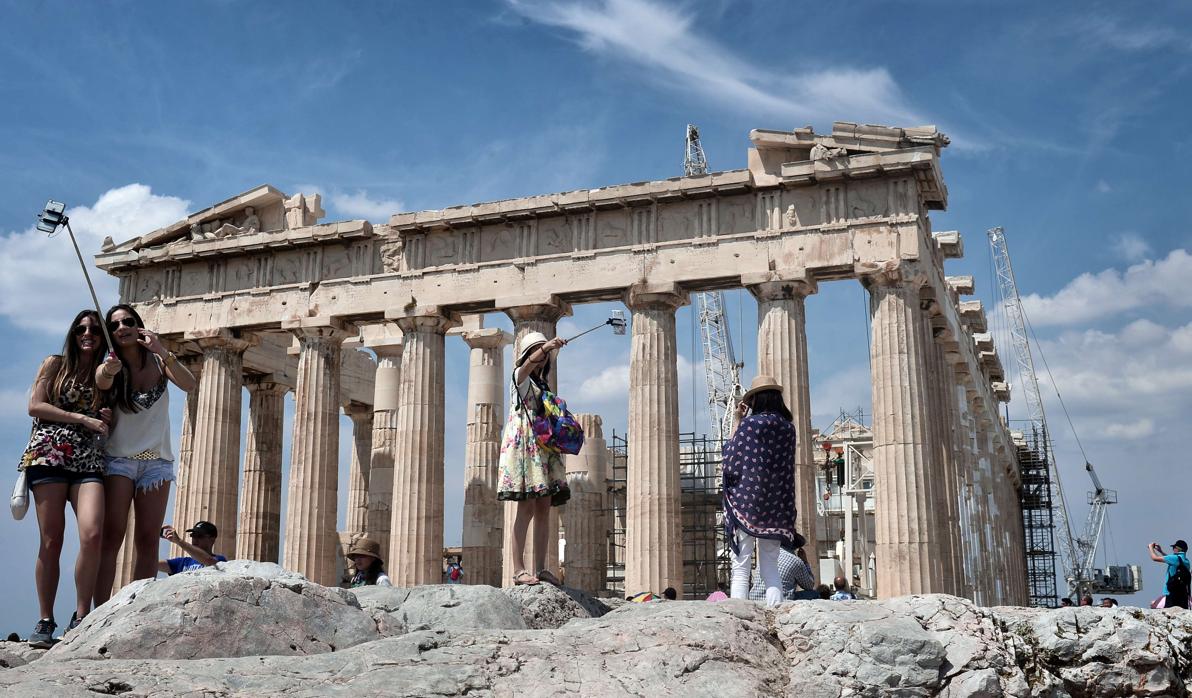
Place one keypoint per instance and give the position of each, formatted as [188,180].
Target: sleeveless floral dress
[69,446]
[527,470]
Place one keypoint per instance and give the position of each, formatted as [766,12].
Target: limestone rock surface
[14,654]
[444,607]
[544,606]
[234,609]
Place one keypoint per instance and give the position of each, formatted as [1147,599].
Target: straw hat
[365,546]
[760,383]
[529,343]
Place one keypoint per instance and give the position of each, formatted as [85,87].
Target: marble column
[416,527]
[942,390]
[936,455]
[260,507]
[585,517]
[782,353]
[124,557]
[532,317]
[213,481]
[483,523]
[311,539]
[359,471]
[904,537]
[653,540]
[190,405]
[388,348]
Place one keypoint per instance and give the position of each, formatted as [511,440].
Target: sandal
[546,576]
[525,578]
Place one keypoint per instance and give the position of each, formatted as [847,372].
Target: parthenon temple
[256,292]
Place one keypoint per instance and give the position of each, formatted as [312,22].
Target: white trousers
[767,561]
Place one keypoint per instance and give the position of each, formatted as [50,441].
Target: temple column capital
[486,338]
[221,338]
[652,296]
[781,289]
[899,272]
[424,319]
[324,326]
[542,308]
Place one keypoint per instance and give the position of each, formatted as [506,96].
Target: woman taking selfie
[140,461]
[759,487]
[64,463]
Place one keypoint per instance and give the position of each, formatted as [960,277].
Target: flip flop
[546,576]
[524,578]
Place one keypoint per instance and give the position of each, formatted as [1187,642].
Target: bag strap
[521,399]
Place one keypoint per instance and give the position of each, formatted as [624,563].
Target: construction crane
[721,370]
[1078,555]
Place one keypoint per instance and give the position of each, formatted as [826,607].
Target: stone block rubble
[250,629]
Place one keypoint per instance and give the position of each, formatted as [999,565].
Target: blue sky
[1069,126]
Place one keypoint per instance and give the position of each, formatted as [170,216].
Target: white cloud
[1137,430]
[1131,247]
[42,286]
[361,205]
[662,39]
[610,384]
[1166,283]
[1103,187]
[1129,36]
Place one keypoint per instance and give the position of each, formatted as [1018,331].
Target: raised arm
[536,358]
[178,374]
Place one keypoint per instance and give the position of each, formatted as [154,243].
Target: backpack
[454,573]
[1178,584]
[554,426]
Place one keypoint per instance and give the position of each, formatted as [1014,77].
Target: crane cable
[1055,387]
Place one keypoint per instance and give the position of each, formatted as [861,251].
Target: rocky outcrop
[236,609]
[14,654]
[480,641]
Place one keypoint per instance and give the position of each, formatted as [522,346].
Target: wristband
[171,357]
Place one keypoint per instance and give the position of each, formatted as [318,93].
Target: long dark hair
[375,569]
[770,401]
[122,387]
[61,369]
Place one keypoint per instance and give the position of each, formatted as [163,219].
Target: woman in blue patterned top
[759,487]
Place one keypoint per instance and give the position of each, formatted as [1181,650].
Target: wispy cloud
[362,205]
[1130,36]
[663,38]
[1131,247]
[1103,187]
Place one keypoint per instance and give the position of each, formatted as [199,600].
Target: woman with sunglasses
[64,463]
[139,458]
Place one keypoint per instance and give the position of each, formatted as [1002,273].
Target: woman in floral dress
[64,463]
[530,475]
[759,487]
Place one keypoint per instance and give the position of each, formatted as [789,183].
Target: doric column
[653,539]
[359,471]
[385,341]
[983,504]
[538,315]
[585,517]
[213,480]
[311,540]
[260,507]
[898,361]
[933,430]
[941,382]
[782,353]
[124,557]
[186,440]
[483,515]
[416,527]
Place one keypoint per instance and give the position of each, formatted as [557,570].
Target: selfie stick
[617,321]
[48,222]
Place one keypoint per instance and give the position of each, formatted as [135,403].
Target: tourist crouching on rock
[64,462]
[365,555]
[198,551]
[140,460]
[759,487]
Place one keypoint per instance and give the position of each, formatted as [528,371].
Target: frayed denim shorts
[146,475]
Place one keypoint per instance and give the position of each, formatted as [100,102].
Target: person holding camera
[198,551]
[759,488]
[1175,589]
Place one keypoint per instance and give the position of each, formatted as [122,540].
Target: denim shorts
[46,474]
[145,474]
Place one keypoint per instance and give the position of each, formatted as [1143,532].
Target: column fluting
[260,507]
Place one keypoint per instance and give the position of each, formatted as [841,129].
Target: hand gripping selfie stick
[616,319]
[47,222]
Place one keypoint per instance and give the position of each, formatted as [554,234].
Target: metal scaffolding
[705,553]
[1038,518]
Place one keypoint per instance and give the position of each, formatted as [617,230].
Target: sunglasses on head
[113,325]
[81,330]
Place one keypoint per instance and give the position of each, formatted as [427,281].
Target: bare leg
[542,532]
[88,502]
[149,510]
[117,497]
[51,520]
[521,526]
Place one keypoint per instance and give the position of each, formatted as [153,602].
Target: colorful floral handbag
[554,426]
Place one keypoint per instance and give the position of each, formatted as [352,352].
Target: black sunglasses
[80,330]
[113,325]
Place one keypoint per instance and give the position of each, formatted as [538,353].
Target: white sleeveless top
[144,435]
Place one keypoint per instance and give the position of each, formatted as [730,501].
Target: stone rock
[14,654]
[443,607]
[688,649]
[234,609]
[545,606]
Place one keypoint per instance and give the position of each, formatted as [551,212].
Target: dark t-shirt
[188,563]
